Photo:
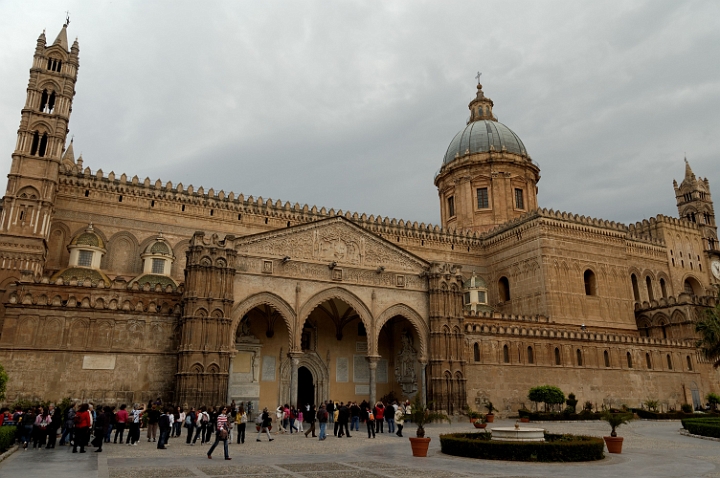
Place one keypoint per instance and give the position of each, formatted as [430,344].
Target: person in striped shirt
[221,434]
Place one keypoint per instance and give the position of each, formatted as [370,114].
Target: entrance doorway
[306,387]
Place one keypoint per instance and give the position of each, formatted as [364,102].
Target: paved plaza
[651,449]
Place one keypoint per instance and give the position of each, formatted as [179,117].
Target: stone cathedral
[119,289]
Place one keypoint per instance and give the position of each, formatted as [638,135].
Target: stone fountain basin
[517,434]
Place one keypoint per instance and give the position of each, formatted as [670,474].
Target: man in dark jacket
[153,419]
[355,417]
[343,418]
[322,418]
[55,425]
[165,423]
[100,428]
[310,418]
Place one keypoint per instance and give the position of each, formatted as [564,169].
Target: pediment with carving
[331,240]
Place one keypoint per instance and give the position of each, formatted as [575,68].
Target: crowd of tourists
[83,425]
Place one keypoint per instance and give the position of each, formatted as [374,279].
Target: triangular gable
[335,239]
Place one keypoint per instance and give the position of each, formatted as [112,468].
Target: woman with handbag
[221,434]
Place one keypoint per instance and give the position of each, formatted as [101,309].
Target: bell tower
[27,206]
[694,204]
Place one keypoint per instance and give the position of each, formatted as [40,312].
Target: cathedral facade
[119,289]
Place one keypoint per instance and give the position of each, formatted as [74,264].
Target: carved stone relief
[405,374]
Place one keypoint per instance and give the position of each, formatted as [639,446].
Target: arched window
[43,145]
[648,284]
[636,289]
[504,289]
[663,327]
[530,356]
[557,356]
[663,288]
[43,100]
[590,282]
[629,360]
[669,361]
[506,354]
[35,143]
[649,362]
[476,352]
[689,363]
[579,358]
[606,356]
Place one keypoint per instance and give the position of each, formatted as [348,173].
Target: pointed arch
[340,294]
[415,319]
[272,300]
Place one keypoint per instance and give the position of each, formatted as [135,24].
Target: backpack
[204,417]
[188,420]
[371,417]
[258,419]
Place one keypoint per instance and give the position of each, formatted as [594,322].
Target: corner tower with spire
[694,204]
[27,206]
[487,177]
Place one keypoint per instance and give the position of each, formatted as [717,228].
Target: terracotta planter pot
[614,444]
[419,446]
[524,420]
[490,418]
[473,420]
[480,425]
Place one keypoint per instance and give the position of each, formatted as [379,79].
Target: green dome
[483,136]
[154,279]
[80,274]
[159,248]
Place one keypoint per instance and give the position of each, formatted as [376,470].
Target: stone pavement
[651,449]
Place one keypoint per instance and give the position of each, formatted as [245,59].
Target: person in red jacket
[379,414]
[82,428]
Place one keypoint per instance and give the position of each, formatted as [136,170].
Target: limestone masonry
[119,290]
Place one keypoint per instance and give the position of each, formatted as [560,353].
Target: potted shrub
[614,442]
[524,414]
[420,416]
[489,417]
[481,423]
[473,415]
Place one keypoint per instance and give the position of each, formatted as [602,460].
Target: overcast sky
[352,105]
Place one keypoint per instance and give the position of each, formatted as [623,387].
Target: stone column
[423,383]
[372,365]
[294,362]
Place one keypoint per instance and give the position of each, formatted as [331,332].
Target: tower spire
[689,175]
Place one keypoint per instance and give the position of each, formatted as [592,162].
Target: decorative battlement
[85,178]
[682,299]
[41,292]
[569,334]
[76,176]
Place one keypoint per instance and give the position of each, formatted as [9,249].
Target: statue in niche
[245,326]
[405,374]
[255,366]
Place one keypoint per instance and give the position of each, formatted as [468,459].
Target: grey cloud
[351,105]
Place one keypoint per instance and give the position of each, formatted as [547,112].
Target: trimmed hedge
[7,437]
[562,416]
[562,448]
[668,416]
[707,427]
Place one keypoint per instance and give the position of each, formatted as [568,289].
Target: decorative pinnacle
[478,77]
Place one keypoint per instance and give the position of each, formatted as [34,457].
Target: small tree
[652,405]
[615,420]
[3,383]
[547,394]
[571,403]
[421,415]
[713,399]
